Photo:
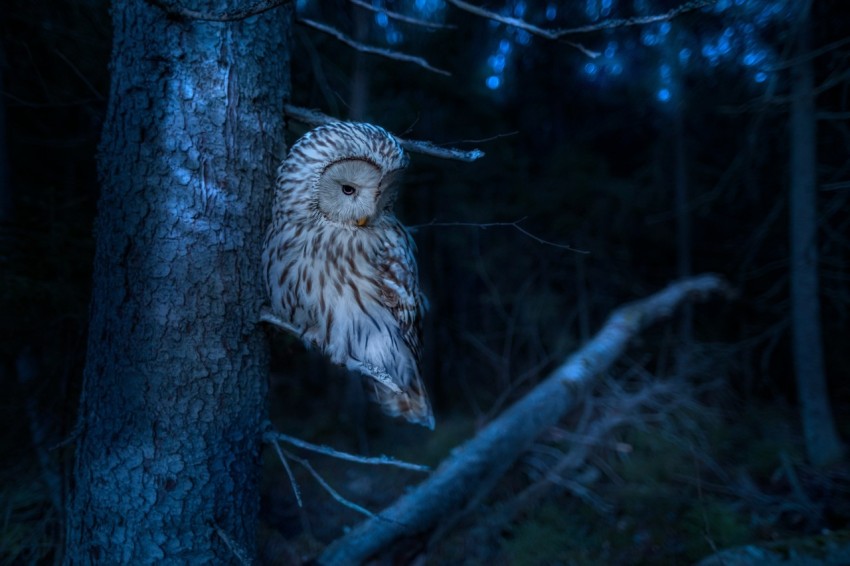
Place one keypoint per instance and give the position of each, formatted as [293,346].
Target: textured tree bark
[176,375]
[822,442]
[491,452]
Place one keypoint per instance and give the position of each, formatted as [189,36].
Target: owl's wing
[398,286]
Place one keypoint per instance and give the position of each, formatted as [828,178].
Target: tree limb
[496,447]
[316,118]
[400,17]
[554,34]
[363,48]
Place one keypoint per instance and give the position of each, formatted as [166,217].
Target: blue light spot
[666,72]
[611,49]
[519,9]
[381,19]
[760,77]
[497,62]
[591,69]
[505,46]
[523,37]
[551,12]
[648,38]
[663,95]
[616,69]
[394,37]
[591,9]
[684,55]
[493,82]
[753,58]
[664,28]
[724,46]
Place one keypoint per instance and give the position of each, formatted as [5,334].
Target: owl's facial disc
[349,192]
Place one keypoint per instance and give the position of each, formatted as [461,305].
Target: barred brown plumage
[340,267]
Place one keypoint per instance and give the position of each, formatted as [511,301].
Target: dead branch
[363,48]
[274,437]
[495,448]
[554,34]
[400,17]
[316,118]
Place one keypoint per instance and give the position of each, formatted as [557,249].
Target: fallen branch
[316,118]
[496,447]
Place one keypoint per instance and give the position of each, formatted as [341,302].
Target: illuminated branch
[559,34]
[316,118]
[400,17]
[363,48]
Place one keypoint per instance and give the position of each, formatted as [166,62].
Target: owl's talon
[380,376]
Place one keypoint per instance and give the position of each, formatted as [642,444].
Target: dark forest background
[572,212]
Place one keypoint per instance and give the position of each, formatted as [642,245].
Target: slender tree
[822,442]
[176,375]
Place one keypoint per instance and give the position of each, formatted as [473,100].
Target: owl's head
[350,171]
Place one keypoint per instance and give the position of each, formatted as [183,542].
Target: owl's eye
[348,190]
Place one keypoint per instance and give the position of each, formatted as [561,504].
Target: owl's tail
[408,401]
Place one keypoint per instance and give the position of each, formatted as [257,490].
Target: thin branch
[316,118]
[401,17]
[327,487]
[175,9]
[288,469]
[363,48]
[558,34]
[240,553]
[274,437]
[514,224]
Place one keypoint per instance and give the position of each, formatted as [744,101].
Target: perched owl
[339,266]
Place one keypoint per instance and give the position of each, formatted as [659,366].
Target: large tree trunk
[822,441]
[176,376]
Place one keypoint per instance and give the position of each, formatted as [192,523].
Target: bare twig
[316,118]
[558,34]
[514,224]
[327,487]
[554,34]
[363,48]
[175,9]
[401,17]
[288,469]
[274,437]
[238,551]
[497,446]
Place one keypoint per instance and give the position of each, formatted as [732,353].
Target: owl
[339,266]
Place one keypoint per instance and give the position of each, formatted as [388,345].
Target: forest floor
[669,491]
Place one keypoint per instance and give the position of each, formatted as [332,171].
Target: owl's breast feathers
[398,285]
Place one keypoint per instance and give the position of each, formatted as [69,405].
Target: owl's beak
[362,221]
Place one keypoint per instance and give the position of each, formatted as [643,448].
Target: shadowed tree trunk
[822,441]
[176,374]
